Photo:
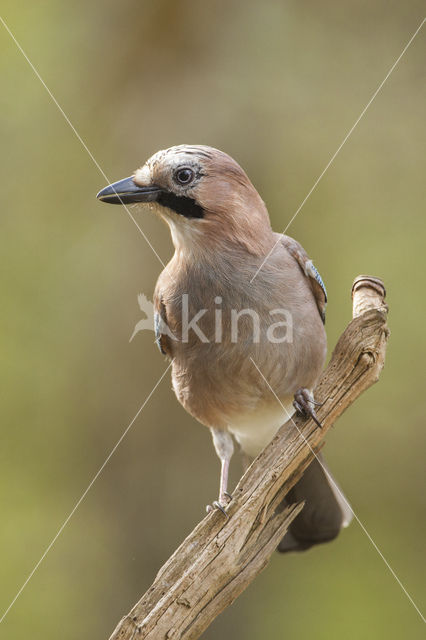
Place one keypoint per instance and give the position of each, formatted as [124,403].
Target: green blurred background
[277,85]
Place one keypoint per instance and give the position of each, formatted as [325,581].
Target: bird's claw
[304,403]
[220,504]
[216,505]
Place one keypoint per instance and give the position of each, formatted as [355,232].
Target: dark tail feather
[326,511]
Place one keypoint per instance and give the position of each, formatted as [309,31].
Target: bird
[238,299]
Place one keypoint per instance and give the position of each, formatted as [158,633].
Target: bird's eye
[184,176]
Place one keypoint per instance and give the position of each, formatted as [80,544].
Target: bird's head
[204,196]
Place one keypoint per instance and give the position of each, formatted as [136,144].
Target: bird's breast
[239,345]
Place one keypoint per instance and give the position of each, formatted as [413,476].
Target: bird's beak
[127,191]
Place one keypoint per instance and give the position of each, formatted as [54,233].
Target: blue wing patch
[315,274]
[317,285]
[318,289]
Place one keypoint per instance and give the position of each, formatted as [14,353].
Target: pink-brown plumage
[230,265]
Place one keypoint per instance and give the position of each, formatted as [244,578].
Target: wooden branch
[220,558]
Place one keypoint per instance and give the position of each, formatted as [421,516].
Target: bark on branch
[220,558]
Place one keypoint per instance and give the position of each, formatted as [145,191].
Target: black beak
[126,191]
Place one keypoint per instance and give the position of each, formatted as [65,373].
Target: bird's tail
[325,513]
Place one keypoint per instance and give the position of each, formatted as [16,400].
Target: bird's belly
[255,429]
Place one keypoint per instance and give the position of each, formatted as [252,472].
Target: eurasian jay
[223,313]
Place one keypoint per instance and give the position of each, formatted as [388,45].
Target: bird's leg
[304,403]
[224,446]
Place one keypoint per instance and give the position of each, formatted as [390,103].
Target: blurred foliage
[277,85]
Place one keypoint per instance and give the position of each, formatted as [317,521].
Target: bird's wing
[315,281]
[162,333]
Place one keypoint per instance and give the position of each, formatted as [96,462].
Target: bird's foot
[220,504]
[304,403]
